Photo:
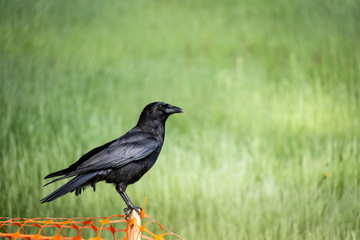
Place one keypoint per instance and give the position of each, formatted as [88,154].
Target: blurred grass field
[268,147]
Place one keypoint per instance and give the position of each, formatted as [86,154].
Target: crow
[122,161]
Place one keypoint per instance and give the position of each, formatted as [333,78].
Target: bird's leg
[130,205]
[128,202]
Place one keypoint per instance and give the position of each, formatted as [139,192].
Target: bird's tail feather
[57,179]
[69,186]
[58,173]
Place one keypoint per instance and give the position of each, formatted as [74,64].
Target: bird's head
[158,111]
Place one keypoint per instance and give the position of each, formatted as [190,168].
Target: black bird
[122,161]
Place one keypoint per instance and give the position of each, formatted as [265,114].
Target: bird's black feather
[84,157]
[70,186]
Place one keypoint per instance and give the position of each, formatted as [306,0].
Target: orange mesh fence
[94,228]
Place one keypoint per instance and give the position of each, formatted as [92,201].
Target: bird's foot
[128,211]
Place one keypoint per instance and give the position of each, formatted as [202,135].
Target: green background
[270,89]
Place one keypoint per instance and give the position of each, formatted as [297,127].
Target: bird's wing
[121,152]
[85,157]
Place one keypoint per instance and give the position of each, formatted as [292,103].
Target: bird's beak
[172,109]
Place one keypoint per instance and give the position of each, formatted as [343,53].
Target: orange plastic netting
[96,228]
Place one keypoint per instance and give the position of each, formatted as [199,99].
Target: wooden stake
[134,230]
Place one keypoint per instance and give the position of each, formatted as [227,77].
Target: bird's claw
[128,211]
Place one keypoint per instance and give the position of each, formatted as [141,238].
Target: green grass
[270,89]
